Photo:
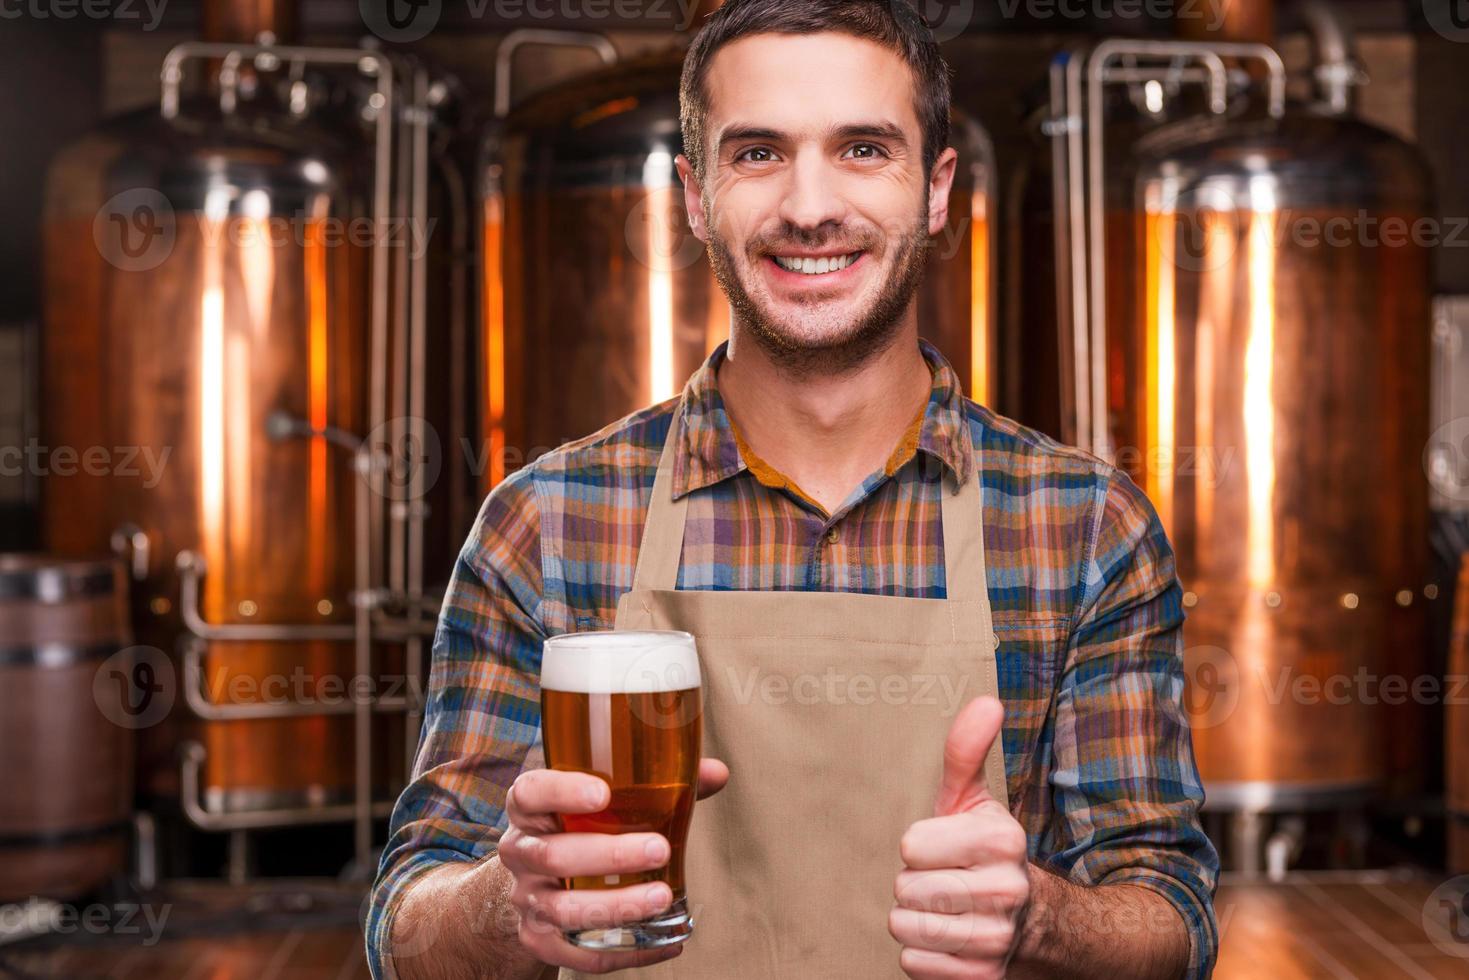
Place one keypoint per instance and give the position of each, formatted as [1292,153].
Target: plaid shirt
[1098,757]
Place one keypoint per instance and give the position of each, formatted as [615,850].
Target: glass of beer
[625,705]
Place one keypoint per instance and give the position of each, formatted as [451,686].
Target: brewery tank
[206,279]
[1282,408]
[597,298]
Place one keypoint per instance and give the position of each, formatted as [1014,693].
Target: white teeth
[816,267]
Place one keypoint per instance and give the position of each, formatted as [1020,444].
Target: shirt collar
[708,452]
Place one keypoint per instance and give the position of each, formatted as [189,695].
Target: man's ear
[939,184]
[693,196]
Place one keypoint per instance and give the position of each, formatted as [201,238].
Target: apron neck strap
[662,544]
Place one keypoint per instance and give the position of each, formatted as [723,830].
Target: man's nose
[813,195]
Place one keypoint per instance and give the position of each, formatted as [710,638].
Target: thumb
[974,730]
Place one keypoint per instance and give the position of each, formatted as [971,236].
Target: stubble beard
[872,331]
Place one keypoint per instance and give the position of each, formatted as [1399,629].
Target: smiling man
[828,514]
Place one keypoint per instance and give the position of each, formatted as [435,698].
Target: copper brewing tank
[200,278]
[1282,408]
[598,300]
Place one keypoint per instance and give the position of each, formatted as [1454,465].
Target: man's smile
[798,269]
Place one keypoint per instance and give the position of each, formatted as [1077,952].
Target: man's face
[816,160]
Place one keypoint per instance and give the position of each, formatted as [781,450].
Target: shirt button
[833,536]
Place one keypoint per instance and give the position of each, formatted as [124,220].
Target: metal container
[203,281]
[67,719]
[1282,411]
[599,301]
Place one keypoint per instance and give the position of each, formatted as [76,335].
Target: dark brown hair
[894,24]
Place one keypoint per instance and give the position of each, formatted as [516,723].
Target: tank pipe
[1336,67]
[1099,438]
[512,42]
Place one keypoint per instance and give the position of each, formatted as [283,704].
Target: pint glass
[625,705]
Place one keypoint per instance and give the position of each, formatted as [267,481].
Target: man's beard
[874,330]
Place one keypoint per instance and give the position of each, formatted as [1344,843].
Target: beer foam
[620,662]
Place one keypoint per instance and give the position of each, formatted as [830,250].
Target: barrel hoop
[59,838]
[54,656]
[56,583]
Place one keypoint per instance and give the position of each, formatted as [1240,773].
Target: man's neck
[825,433]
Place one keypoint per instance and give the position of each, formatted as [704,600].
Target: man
[822,489]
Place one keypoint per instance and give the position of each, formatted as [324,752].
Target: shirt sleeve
[1124,779]
[481,712]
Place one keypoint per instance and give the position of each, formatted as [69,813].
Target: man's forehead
[797,82]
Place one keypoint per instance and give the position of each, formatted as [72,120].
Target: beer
[626,706]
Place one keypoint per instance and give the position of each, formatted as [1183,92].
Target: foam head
[620,662]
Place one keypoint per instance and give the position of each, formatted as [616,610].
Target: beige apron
[831,710]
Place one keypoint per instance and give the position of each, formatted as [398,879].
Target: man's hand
[963,895]
[538,855]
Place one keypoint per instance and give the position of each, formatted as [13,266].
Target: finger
[971,838]
[586,855]
[966,936]
[713,775]
[550,946]
[537,795]
[925,964]
[997,889]
[545,902]
[974,730]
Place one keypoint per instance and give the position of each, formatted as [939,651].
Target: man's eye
[754,149]
[876,150]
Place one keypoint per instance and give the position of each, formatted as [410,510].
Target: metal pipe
[197,698]
[1096,431]
[193,760]
[418,371]
[191,570]
[512,42]
[361,808]
[1336,69]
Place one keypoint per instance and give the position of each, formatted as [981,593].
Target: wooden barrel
[1456,728]
[66,750]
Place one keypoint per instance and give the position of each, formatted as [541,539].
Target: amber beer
[625,705]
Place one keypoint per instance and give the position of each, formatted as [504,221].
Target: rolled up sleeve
[1124,780]
[481,712]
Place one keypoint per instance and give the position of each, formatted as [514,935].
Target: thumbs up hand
[966,886]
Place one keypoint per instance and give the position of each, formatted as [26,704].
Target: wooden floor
[1330,925]
[1343,925]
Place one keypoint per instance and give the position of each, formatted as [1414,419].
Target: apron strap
[662,543]
[963,520]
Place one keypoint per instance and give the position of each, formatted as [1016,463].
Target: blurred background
[291,284]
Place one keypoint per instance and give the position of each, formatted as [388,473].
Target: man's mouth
[816,266]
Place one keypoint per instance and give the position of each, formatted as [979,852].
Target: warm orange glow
[315,264]
[494,339]
[660,295]
[1158,360]
[1259,400]
[979,299]
[211,396]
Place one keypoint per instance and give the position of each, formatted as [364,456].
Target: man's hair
[894,24]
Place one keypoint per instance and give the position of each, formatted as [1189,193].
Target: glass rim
[618,641]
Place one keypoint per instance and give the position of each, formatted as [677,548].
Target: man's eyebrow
[880,130]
